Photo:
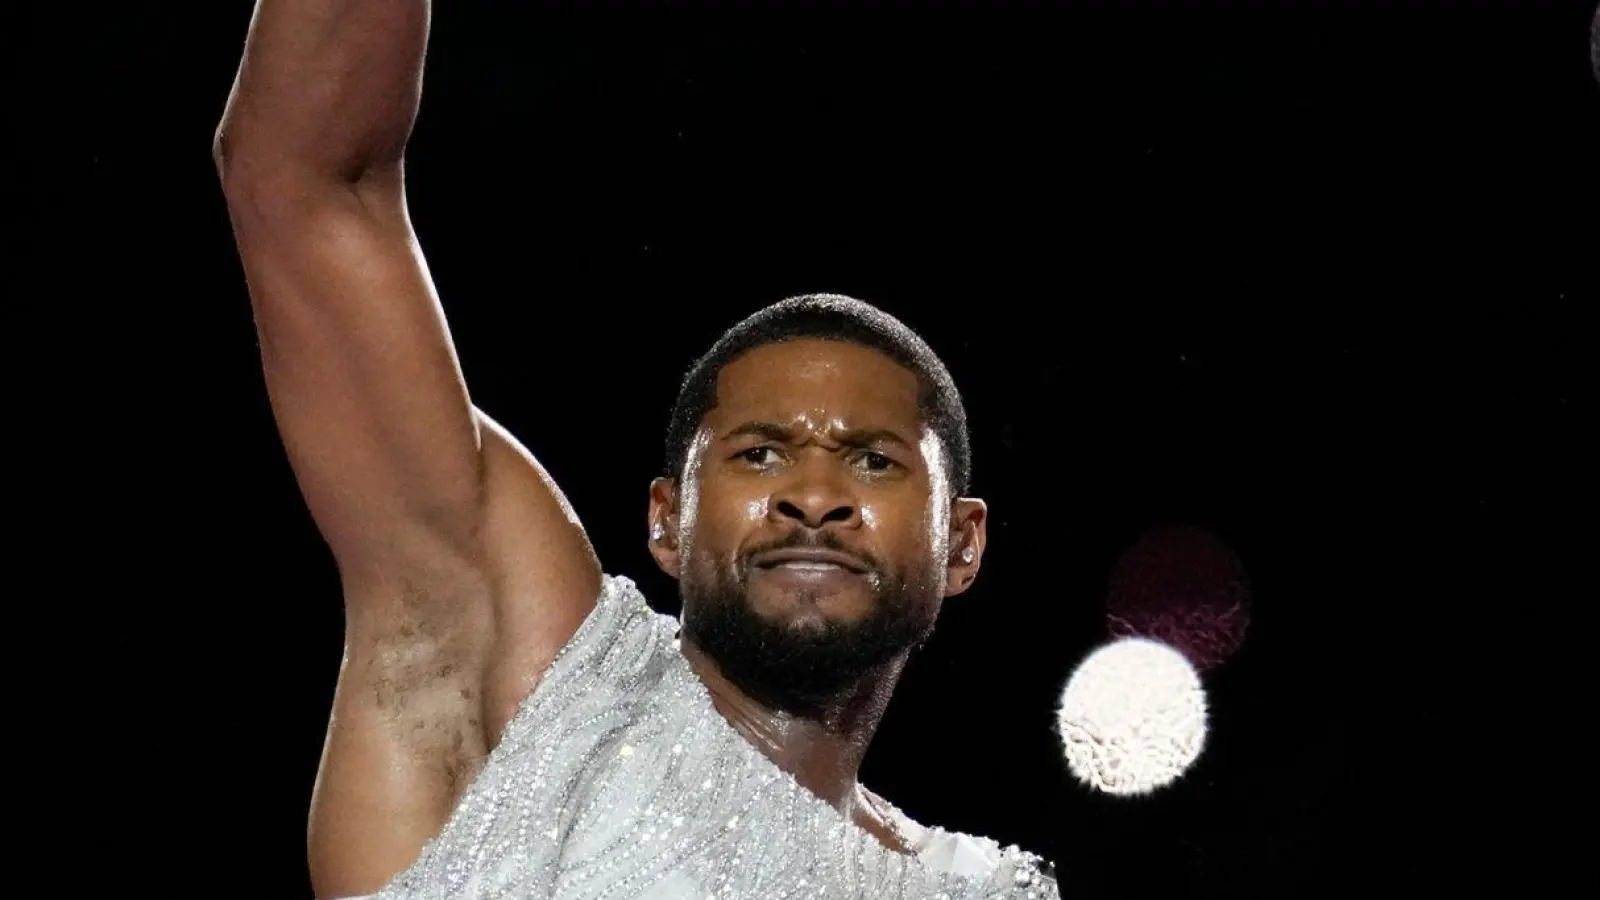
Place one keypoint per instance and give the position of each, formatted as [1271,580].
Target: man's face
[813,521]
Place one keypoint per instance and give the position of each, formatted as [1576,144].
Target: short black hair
[832,317]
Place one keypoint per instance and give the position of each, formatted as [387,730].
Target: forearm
[327,90]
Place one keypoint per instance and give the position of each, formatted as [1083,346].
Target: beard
[803,668]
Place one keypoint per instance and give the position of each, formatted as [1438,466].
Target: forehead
[829,382]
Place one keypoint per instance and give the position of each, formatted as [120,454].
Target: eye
[875,462]
[757,456]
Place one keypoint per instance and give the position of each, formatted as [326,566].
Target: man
[509,721]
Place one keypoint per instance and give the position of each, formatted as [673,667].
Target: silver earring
[657,532]
[967,554]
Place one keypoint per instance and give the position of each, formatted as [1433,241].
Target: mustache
[801,539]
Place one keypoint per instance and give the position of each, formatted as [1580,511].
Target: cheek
[722,516]
[901,525]
[907,531]
[688,518]
[936,513]
[689,498]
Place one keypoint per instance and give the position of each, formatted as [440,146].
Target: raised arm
[463,568]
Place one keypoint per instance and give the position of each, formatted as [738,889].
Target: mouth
[805,560]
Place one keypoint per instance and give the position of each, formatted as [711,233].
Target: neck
[822,753]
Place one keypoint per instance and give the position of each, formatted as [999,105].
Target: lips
[808,559]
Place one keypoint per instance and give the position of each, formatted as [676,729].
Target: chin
[809,609]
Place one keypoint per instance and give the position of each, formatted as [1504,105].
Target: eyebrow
[854,437]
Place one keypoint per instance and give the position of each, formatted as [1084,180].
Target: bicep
[398,468]
[546,576]
[360,370]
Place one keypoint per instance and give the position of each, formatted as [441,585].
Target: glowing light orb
[1132,717]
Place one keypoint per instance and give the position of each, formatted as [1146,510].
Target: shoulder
[621,620]
[621,648]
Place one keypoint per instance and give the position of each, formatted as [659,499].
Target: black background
[1310,275]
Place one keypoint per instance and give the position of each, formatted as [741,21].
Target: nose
[814,499]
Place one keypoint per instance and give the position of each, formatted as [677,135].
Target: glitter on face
[756,510]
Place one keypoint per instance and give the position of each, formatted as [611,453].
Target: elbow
[233,168]
[239,197]
[219,151]
[234,143]
[255,173]
[257,184]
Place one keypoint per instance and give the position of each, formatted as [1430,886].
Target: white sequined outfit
[618,779]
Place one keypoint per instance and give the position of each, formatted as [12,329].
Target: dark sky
[1306,275]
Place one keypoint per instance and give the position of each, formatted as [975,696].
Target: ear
[969,530]
[663,521]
